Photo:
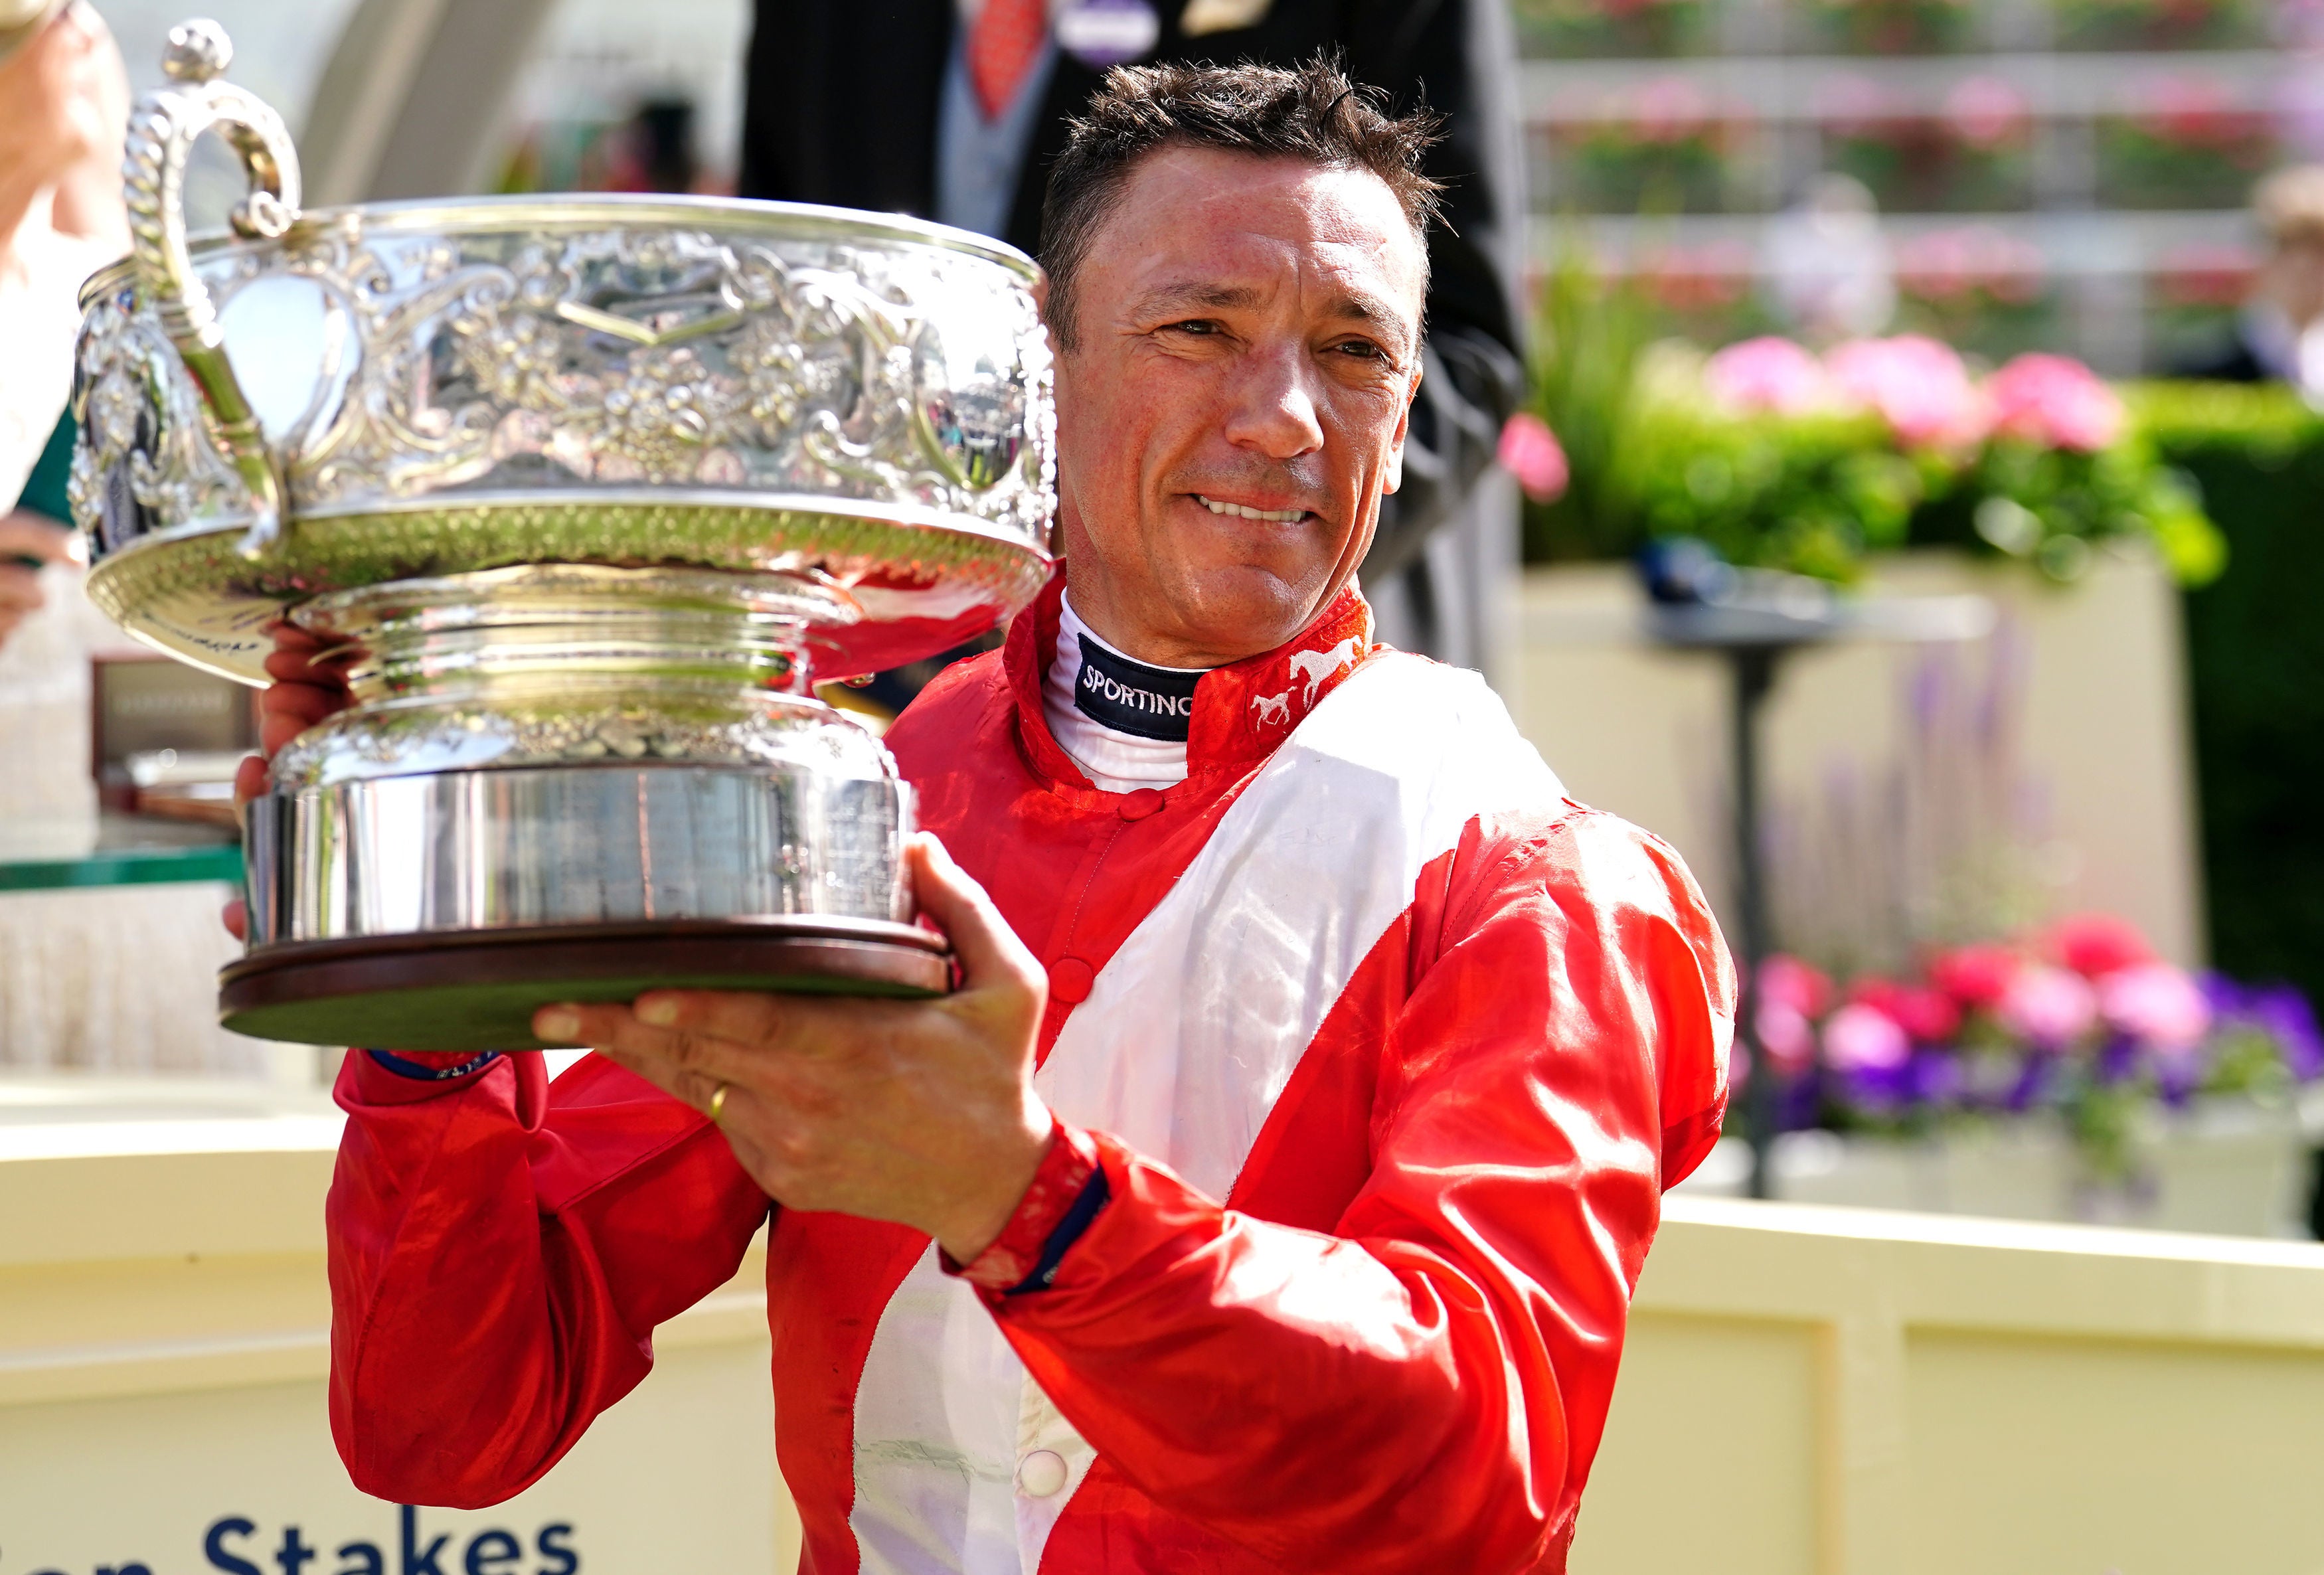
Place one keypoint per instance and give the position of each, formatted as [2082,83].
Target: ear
[1394,478]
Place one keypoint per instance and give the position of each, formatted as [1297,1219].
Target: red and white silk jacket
[1388,1049]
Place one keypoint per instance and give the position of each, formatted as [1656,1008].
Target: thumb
[27,535]
[988,951]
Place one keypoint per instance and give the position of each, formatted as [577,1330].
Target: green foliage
[1812,494]
[1588,340]
[2051,506]
[2255,667]
[1653,455]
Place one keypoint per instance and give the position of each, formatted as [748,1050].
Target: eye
[1361,349]
[1202,327]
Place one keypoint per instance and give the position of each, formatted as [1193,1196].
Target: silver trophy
[588,492]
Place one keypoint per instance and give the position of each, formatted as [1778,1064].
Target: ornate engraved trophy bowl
[583,495]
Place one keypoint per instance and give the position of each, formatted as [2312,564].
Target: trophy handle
[162,133]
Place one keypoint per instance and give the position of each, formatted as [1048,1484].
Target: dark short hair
[1310,112]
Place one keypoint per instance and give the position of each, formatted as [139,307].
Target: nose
[1273,409]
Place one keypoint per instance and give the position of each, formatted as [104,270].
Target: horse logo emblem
[1273,709]
[1315,666]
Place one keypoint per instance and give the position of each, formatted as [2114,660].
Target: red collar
[1242,712]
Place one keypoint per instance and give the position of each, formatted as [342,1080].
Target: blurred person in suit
[2278,336]
[64,104]
[955,110]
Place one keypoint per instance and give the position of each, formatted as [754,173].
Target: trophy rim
[499,213]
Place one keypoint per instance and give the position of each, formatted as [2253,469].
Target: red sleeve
[1424,1387]
[501,1250]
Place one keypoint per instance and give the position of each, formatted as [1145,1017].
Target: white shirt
[1118,762]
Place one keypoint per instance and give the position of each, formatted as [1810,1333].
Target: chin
[1246,609]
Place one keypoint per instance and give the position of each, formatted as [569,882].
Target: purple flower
[2032,1082]
[2117,1059]
[2284,1012]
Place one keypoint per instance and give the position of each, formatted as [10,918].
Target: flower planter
[2227,1167]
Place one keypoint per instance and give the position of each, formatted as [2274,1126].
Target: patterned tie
[1003,43]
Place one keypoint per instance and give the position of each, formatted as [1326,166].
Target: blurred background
[1903,492]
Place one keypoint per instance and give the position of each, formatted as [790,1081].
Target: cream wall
[1807,1391]
[163,1341]
[1845,1392]
[1642,732]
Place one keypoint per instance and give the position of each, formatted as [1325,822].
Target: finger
[249,779]
[27,535]
[288,636]
[991,954]
[235,916]
[616,1031]
[663,1058]
[20,589]
[288,710]
[746,1018]
[310,665]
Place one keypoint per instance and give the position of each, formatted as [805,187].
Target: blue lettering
[373,1562]
[567,1560]
[214,1545]
[129,1568]
[423,1561]
[489,1553]
[294,1554]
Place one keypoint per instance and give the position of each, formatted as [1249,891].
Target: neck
[1122,622]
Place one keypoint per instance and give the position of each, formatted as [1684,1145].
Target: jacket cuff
[1066,1194]
[401,1077]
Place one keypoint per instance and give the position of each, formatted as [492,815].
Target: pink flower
[1975,977]
[1785,979]
[1986,111]
[1928,1016]
[2050,1006]
[1531,452]
[2056,401]
[1919,386]
[1863,1039]
[2094,945]
[1669,109]
[1787,1036]
[2155,1002]
[1768,373]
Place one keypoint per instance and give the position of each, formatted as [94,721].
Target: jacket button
[1141,802]
[1041,1474]
[1070,978]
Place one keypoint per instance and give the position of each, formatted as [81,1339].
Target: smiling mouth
[1245,512]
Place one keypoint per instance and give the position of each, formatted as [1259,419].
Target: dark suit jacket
[2234,361]
[843,108]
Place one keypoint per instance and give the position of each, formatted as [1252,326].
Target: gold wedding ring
[717,1102]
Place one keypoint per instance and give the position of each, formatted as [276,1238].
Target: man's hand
[27,540]
[64,101]
[919,1112]
[309,685]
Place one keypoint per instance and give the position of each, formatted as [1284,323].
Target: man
[1362,1055]
[2280,333]
[64,101]
[957,109]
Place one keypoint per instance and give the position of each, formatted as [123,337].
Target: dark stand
[1754,636]
[1753,670]
[1753,641]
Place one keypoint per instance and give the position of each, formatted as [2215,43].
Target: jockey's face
[1246,338]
